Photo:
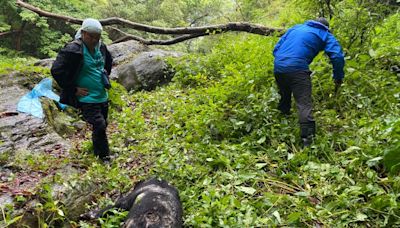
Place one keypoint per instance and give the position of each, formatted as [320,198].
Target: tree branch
[43,13]
[194,21]
[9,32]
[175,40]
[232,26]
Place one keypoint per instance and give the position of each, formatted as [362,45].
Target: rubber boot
[307,133]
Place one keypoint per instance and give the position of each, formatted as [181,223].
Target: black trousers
[96,114]
[298,84]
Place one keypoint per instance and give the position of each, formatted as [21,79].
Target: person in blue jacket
[293,53]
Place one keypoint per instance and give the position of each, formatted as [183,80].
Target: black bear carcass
[152,203]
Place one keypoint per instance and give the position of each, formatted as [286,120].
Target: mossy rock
[63,122]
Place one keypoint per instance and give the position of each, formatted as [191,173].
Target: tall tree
[23,30]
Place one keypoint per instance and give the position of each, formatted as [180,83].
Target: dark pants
[96,114]
[298,83]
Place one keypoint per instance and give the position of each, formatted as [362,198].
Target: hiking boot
[307,133]
[307,141]
[106,159]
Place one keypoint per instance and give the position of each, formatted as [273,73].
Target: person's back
[293,54]
[301,43]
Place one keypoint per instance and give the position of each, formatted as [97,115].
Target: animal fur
[153,203]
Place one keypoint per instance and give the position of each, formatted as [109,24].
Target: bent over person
[81,69]
[293,53]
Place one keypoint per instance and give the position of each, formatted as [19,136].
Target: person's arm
[63,68]
[108,61]
[334,51]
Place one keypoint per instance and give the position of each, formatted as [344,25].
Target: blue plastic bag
[30,103]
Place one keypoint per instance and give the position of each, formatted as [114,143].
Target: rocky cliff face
[19,131]
[23,136]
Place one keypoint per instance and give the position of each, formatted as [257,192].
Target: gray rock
[76,199]
[147,71]
[125,50]
[6,199]
[20,131]
[45,62]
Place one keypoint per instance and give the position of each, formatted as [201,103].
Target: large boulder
[125,50]
[147,71]
[135,65]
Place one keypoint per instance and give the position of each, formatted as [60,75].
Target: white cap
[92,26]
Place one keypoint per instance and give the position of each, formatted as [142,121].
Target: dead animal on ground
[152,203]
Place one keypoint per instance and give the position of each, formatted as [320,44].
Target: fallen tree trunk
[185,33]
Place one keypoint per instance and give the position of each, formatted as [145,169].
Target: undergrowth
[216,135]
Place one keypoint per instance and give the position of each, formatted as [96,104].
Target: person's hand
[81,92]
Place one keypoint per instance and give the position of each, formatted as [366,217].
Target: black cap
[323,21]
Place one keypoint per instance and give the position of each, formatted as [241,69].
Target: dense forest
[214,131]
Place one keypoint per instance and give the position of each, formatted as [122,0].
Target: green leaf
[293,217]
[239,123]
[261,140]
[350,69]
[14,220]
[60,212]
[4,27]
[305,194]
[361,217]
[247,190]
[391,159]
[374,161]
[372,53]
[260,165]
[353,148]
[277,216]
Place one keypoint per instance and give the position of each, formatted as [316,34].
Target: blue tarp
[30,103]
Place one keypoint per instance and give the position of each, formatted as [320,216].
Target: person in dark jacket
[293,53]
[81,69]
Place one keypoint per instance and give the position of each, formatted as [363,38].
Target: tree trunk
[18,37]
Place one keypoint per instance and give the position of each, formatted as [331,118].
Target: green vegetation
[14,61]
[215,133]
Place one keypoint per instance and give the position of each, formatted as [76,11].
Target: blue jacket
[300,44]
